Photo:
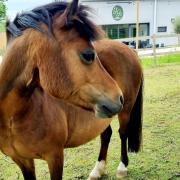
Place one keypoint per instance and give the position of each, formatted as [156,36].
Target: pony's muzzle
[108,108]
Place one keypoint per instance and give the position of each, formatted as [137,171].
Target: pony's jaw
[101,103]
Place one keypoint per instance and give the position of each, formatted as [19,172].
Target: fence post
[137,24]
[154,48]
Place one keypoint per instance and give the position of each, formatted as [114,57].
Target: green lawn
[160,60]
[2,26]
[160,158]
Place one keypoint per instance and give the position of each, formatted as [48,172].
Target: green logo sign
[117,13]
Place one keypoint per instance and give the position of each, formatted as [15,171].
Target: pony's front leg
[100,167]
[55,162]
[27,167]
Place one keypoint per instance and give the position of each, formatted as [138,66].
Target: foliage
[177,25]
[161,145]
[2,9]
[2,26]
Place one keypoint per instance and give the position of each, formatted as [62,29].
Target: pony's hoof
[98,171]
[121,171]
[92,178]
[121,174]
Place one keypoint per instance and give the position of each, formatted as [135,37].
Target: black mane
[44,14]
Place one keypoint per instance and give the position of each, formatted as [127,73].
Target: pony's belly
[6,148]
[5,142]
[86,130]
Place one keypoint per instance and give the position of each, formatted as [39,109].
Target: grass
[161,60]
[160,158]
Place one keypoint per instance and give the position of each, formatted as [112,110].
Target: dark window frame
[162,29]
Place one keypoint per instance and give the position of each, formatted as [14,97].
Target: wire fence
[2,44]
[2,40]
[148,45]
[153,46]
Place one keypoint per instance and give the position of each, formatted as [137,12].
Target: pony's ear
[61,20]
[72,10]
[65,19]
[33,83]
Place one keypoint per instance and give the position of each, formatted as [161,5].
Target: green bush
[2,26]
[177,25]
[2,9]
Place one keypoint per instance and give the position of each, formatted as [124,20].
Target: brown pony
[37,125]
[123,65]
[51,82]
[55,41]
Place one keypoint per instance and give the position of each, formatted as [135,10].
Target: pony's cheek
[89,93]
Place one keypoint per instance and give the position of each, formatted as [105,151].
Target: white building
[118,18]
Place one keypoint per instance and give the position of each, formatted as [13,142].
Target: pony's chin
[102,115]
[102,112]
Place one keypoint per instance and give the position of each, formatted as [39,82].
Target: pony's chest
[83,129]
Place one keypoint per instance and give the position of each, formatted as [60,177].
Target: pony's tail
[135,123]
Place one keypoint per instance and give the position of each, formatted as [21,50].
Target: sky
[15,6]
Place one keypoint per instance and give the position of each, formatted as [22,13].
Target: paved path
[160,51]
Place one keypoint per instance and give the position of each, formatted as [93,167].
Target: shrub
[177,25]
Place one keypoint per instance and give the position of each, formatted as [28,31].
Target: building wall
[166,11]
[104,12]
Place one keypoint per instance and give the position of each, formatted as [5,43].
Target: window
[162,29]
[123,31]
[118,31]
[112,32]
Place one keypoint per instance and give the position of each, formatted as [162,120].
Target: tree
[2,9]
[177,25]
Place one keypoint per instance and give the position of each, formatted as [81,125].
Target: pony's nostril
[121,100]
[107,109]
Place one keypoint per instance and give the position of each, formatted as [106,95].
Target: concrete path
[159,51]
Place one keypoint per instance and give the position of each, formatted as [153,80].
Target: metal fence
[2,44]
[153,48]
[2,40]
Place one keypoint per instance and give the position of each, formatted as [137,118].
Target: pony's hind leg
[27,167]
[100,167]
[130,128]
[122,168]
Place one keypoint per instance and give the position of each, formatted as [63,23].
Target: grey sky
[15,6]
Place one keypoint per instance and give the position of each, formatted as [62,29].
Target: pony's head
[58,40]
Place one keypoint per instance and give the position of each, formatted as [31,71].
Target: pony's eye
[87,56]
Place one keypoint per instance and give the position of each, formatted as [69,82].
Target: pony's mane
[44,14]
